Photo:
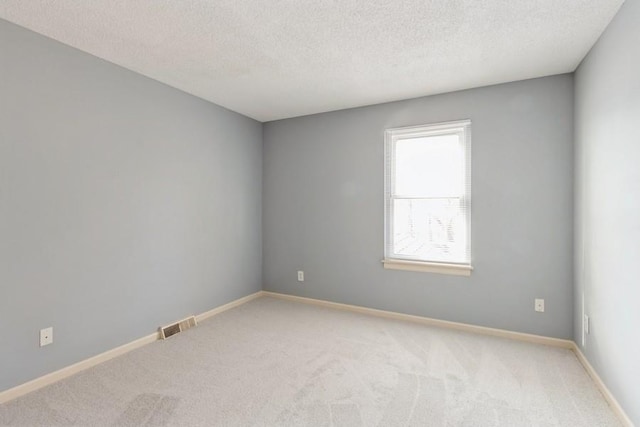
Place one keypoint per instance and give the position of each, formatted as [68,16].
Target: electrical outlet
[539,305]
[586,324]
[300,276]
[46,336]
[584,333]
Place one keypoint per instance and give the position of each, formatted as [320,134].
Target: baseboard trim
[608,396]
[536,339]
[228,306]
[67,371]
[520,336]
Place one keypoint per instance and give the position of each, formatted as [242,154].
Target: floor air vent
[174,328]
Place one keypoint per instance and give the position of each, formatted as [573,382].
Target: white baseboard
[611,400]
[53,377]
[228,306]
[538,339]
[65,372]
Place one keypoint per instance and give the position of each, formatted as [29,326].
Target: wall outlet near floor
[539,305]
[300,276]
[46,336]
[586,324]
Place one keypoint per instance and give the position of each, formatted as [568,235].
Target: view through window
[427,193]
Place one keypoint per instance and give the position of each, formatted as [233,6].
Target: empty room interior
[322,213]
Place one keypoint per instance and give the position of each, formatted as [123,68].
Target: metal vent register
[174,328]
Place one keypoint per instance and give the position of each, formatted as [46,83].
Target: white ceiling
[274,59]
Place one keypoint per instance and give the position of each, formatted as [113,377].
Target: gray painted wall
[124,205]
[608,206]
[323,208]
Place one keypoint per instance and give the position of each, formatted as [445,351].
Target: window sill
[428,267]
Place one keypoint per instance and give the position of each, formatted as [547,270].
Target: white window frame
[462,128]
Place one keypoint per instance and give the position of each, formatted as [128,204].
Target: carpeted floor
[272,362]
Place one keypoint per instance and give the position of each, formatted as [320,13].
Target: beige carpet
[278,363]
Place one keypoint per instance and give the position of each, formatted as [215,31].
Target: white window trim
[463,127]
[428,267]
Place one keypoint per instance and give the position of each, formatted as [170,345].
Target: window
[427,189]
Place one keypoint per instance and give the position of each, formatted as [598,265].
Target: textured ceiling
[283,58]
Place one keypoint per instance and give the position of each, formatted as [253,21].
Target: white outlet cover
[586,324]
[539,305]
[300,276]
[46,336]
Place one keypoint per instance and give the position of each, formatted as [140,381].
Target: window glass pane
[430,166]
[430,229]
